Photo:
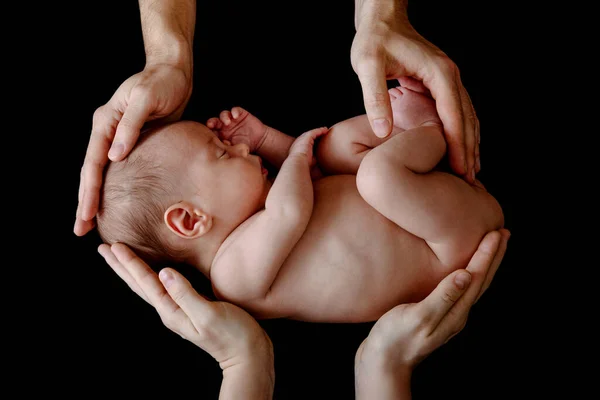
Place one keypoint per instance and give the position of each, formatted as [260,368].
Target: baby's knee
[371,175]
[337,153]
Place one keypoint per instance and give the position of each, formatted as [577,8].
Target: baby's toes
[225,117]
[214,123]
[395,93]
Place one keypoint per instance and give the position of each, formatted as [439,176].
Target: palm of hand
[229,334]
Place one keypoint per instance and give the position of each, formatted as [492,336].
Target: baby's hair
[135,194]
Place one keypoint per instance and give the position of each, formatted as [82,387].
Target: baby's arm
[275,146]
[247,268]
[452,216]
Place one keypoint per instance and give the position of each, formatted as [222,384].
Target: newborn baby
[343,235]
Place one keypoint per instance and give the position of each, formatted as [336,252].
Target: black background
[289,64]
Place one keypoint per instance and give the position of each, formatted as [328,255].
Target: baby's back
[352,264]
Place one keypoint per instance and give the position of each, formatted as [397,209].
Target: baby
[343,235]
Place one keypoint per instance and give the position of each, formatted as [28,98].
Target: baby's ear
[187,221]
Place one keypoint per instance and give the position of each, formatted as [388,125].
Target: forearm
[168,31]
[252,381]
[275,147]
[372,11]
[292,191]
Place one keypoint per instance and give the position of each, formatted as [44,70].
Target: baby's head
[180,190]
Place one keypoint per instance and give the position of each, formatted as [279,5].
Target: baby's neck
[205,249]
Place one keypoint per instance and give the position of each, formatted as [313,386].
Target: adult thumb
[376,97]
[128,129]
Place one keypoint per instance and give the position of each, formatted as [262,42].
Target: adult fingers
[445,90]
[477,143]
[143,275]
[470,133]
[455,319]
[110,258]
[375,94]
[128,130]
[439,302]
[82,227]
[196,306]
[480,264]
[496,262]
[103,128]
[172,316]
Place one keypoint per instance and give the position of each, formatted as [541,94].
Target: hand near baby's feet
[412,105]
[239,126]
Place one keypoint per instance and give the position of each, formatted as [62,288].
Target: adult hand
[408,333]
[225,331]
[159,93]
[386,46]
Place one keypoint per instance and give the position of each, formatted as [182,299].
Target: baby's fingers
[214,123]
[315,133]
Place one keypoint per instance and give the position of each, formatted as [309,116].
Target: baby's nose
[241,149]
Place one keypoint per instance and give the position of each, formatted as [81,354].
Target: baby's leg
[398,179]
[343,148]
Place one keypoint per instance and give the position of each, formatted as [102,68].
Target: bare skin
[381,203]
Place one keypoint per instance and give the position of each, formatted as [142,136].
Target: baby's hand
[239,126]
[304,144]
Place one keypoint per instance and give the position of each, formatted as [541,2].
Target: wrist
[257,352]
[171,50]
[267,136]
[376,377]
[258,363]
[381,360]
[375,12]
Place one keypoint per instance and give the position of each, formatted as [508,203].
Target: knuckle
[178,294]
[377,101]
[99,114]
[366,61]
[167,322]
[140,90]
[448,65]
[450,296]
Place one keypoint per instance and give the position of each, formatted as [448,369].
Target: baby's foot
[412,107]
[238,126]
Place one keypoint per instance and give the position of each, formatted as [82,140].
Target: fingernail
[381,127]
[166,277]
[116,150]
[462,279]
